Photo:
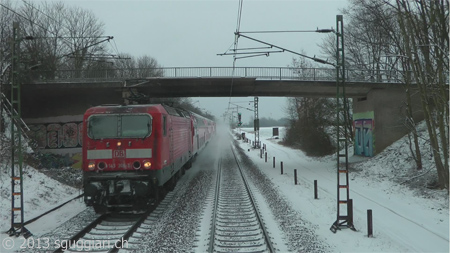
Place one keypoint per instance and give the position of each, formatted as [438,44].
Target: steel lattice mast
[344,203]
[17,206]
[256,123]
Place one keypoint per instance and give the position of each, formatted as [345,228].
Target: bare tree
[6,22]
[310,118]
[85,34]
[424,28]
[141,67]
[148,67]
[63,37]
[39,50]
[53,48]
[124,65]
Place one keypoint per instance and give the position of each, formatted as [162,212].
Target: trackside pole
[295,176]
[256,122]
[369,223]
[315,190]
[344,203]
[17,205]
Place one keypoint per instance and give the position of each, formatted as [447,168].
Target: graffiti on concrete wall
[57,135]
[364,125]
[55,138]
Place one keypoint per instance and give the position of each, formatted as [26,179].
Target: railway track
[236,223]
[112,232]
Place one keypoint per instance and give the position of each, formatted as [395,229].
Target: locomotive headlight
[91,166]
[119,143]
[147,165]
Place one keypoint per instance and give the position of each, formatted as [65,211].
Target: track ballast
[237,224]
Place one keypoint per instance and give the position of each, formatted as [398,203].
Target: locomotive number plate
[119,153]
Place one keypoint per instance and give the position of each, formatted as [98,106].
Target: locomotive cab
[130,153]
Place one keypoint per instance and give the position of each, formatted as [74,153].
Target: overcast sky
[189,33]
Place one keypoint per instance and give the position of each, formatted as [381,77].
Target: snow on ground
[405,219]
[41,194]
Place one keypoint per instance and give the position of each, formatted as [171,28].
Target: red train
[131,154]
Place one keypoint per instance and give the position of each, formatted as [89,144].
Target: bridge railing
[261,73]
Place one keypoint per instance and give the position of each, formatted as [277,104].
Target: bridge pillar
[379,119]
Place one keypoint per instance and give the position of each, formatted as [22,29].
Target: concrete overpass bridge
[53,103]
[216,81]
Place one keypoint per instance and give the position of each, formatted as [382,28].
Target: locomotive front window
[119,126]
[102,127]
[136,126]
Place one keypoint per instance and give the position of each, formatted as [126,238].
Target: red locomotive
[131,154]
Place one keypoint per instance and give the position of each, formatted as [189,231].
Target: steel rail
[216,204]
[130,222]
[81,233]
[118,245]
[236,222]
[252,199]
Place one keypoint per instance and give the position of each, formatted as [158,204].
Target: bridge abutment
[380,119]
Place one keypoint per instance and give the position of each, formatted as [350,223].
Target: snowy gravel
[71,227]
[175,230]
[299,232]
[66,175]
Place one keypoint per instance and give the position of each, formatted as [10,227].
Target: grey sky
[189,33]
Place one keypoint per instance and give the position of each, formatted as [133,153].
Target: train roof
[141,108]
[198,116]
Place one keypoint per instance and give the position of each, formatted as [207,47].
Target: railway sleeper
[256,236]
[243,243]
[89,237]
[239,234]
[255,248]
[102,232]
[236,219]
[238,209]
[237,229]
[246,215]
[234,203]
[238,223]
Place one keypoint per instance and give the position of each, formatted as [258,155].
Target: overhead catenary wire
[294,31]
[285,49]
[255,55]
[248,48]
[236,42]
[115,47]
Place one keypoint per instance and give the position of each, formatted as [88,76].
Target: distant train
[132,154]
